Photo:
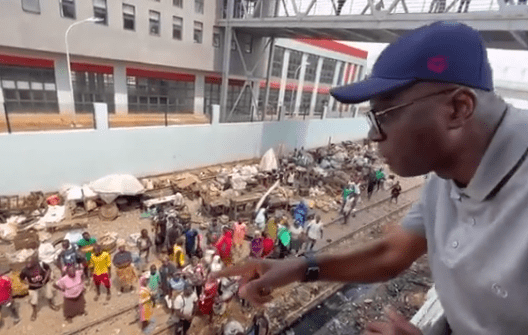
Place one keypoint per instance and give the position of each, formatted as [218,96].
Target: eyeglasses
[373,116]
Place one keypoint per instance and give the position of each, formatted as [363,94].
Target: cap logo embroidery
[437,64]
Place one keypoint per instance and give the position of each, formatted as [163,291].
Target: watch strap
[312,270]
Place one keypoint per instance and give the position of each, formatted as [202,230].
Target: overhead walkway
[503,23]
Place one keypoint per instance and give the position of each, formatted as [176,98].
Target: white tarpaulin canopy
[112,186]
[268,161]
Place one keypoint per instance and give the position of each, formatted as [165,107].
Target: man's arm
[377,261]
[47,269]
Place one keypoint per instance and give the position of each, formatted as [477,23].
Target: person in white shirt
[314,230]
[260,220]
[184,307]
[297,237]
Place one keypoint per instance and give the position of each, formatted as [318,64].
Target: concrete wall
[47,160]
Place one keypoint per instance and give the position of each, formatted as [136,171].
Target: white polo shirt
[477,237]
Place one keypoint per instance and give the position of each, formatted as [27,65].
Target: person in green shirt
[154,283]
[380,178]
[86,247]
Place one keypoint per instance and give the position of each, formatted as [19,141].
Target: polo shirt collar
[506,149]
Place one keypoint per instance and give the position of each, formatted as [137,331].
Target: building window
[101,11]
[154,23]
[90,87]
[294,67]
[31,6]
[159,95]
[289,101]
[311,68]
[217,36]
[177,3]
[198,32]
[306,101]
[29,90]
[278,58]
[129,17]
[242,111]
[321,103]
[199,6]
[341,73]
[68,8]
[328,70]
[212,94]
[177,27]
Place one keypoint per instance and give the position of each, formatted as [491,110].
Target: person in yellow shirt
[178,255]
[101,264]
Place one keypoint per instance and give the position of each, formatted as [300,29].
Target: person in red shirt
[6,298]
[223,246]
[268,245]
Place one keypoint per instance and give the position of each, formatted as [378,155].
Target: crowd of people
[182,281]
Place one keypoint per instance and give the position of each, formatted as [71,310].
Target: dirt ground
[36,122]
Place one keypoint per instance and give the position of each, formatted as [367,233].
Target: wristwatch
[312,271]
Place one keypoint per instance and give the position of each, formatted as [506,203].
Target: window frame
[29,10]
[176,18]
[126,16]
[95,8]
[200,30]
[61,8]
[217,31]
[199,7]
[152,21]
[177,3]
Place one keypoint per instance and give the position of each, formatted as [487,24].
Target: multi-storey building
[148,56]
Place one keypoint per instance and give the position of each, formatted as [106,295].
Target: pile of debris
[279,183]
[406,293]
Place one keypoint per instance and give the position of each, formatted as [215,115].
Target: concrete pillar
[101,116]
[313,103]
[215,114]
[300,83]
[199,94]
[284,78]
[64,92]
[325,111]
[332,101]
[120,89]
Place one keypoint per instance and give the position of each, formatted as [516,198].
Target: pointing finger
[246,270]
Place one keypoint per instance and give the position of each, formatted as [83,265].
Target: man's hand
[396,325]
[260,277]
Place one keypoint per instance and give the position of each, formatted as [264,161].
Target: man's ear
[462,108]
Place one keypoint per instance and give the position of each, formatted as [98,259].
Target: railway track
[371,230]
[375,223]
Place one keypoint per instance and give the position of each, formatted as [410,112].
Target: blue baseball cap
[448,52]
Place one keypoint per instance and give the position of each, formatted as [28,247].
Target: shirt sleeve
[414,220]
[108,261]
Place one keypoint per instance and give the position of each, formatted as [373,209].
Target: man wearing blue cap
[434,110]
